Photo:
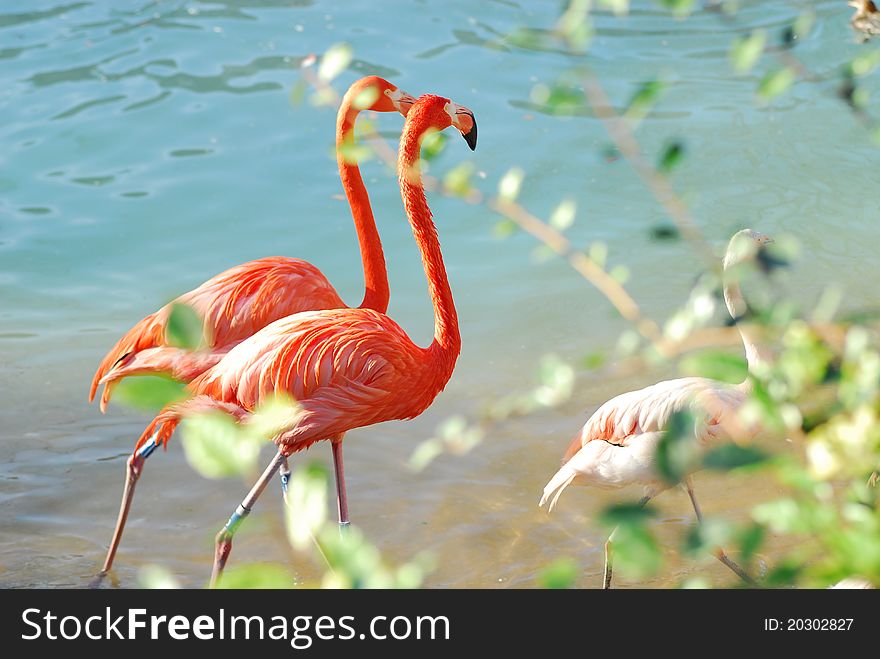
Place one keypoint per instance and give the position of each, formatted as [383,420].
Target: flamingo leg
[133,468]
[341,498]
[719,553]
[223,541]
[606,584]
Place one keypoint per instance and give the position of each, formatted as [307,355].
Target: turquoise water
[146,146]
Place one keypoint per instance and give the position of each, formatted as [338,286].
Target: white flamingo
[617,446]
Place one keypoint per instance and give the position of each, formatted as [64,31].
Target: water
[146,146]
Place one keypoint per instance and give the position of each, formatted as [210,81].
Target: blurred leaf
[750,540]
[775,83]
[298,92]
[706,537]
[804,24]
[508,187]
[782,516]
[680,8]
[335,61]
[563,216]
[504,228]
[642,101]
[149,392]
[184,328]
[258,576]
[671,157]
[784,574]
[636,553]
[425,453]
[273,416]
[433,144]
[306,504]
[664,232]
[365,98]
[354,153]
[677,453]
[623,514]
[733,456]
[594,360]
[619,7]
[216,448]
[157,577]
[560,574]
[458,179]
[746,50]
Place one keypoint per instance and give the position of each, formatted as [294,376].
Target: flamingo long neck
[756,352]
[377,293]
[447,339]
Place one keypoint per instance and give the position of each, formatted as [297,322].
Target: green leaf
[594,360]
[458,179]
[563,216]
[365,98]
[716,365]
[307,504]
[626,514]
[261,576]
[642,101]
[560,574]
[433,144]
[216,448]
[184,328]
[671,157]
[508,187]
[504,228]
[750,540]
[157,577]
[335,61]
[775,83]
[733,456]
[149,392]
[746,50]
[706,537]
[636,553]
[680,8]
[677,453]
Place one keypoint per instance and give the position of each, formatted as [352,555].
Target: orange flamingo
[346,368]
[618,444]
[242,300]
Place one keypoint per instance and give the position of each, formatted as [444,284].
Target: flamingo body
[617,445]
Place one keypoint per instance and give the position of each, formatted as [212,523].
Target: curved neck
[376,294]
[756,353]
[447,340]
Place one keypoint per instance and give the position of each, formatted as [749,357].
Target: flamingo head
[746,245]
[440,113]
[379,95]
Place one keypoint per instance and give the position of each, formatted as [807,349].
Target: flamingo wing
[234,305]
[344,367]
[650,409]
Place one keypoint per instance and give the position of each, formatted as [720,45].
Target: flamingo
[618,444]
[346,368]
[245,298]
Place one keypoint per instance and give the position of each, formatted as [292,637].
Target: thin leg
[607,581]
[719,553]
[133,469]
[284,472]
[341,498]
[223,542]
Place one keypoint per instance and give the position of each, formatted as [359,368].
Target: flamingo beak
[464,120]
[402,101]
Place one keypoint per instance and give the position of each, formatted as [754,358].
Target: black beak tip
[471,137]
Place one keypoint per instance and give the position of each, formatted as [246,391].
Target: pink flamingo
[618,444]
[346,368]
[242,300]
